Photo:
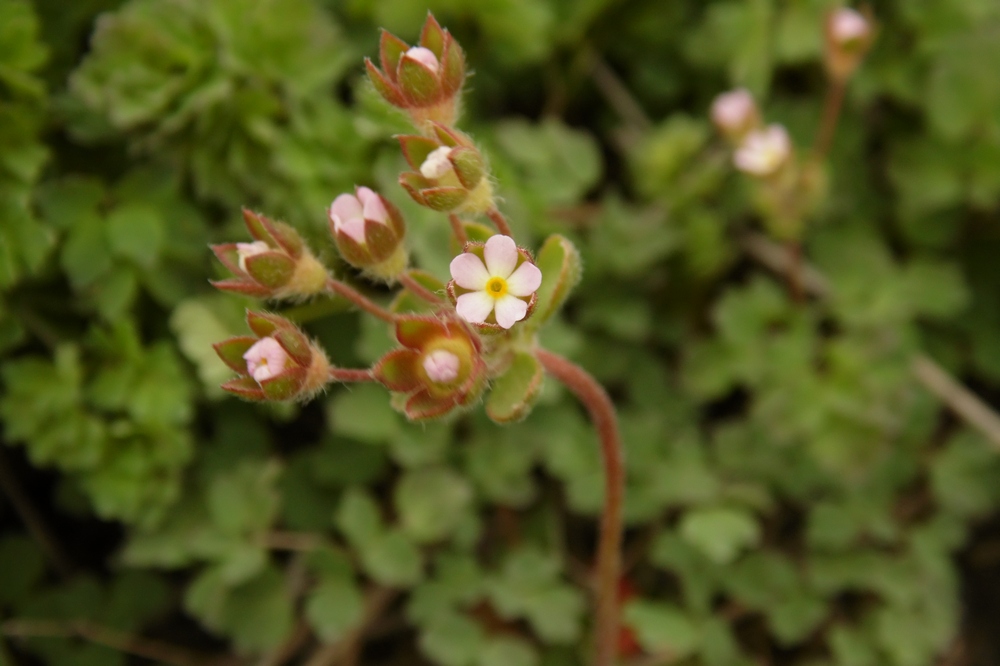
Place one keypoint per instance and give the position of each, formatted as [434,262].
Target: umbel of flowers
[465,341]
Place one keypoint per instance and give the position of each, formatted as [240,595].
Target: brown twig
[112,638]
[458,229]
[378,601]
[419,290]
[359,299]
[963,402]
[33,520]
[500,221]
[602,413]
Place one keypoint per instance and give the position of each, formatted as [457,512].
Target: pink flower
[265,359]
[848,25]
[441,366]
[348,213]
[734,112]
[496,286]
[436,164]
[764,151]
[424,56]
[247,250]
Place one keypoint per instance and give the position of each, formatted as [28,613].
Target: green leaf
[507,651]
[720,533]
[392,559]
[363,413]
[662,628]
[245,499]
[334,606]
[559,262]
[452,640]
[514,392]
[431,503]
[359,518]
[136,232]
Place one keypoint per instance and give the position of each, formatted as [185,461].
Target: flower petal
[501,256]
[346,207]
[475,307]
[355,228]
[469,272]
[510,310]
[525,280]
[372,205]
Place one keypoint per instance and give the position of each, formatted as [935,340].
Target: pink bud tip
[424,56]
[733,111]
[265,359]
[246,250]
[847,25]
[441,366]
[436,163]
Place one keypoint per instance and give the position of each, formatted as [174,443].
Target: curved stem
[359,299]
[500,221]
[602,413]
[831,113]
[458,229]
[419,290]
[351,375]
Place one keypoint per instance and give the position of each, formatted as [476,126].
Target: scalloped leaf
[559,262]
[515,391]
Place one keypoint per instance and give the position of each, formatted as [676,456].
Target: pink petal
[510,310]
[501,256]
[265,359]
[424,56]
[468,272]
[848,24]
[354,227]
[373,209]
[441,366]
[525,280]
[475,307]
[345,207]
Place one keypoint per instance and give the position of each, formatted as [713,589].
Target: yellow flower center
[496,287]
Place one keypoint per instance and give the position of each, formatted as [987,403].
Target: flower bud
[277,264]
[423,80]
[449,173]
[494,284]
[280,363]
[764,152]
[439,368]
[735,113]
[369,231]
[849,35]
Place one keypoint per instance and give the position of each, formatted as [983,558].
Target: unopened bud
[369,231]
[735,113]
[849,35]
[449,172]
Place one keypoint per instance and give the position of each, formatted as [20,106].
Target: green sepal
[418,83]
[256,228]
[241,285]
[383,85]
[397,370]
[271,269]
[296,344]
[244,387]
[415,332]
[285,385]
[515,391]
[381,240]
[559,262]
[390,49]
[443,198]
[423,406]
[264,324]
[231,352]
[452,67]
[450,137]
[432,36]
[468,165]
[352,251]
[285,236]
[416,149]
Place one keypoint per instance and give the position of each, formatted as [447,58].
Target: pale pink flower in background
[764,151]
[348,213]
[424,56]
[848,25]
[265,359]
[494,286]
[246,250]
[441,366]
[436,164]
[734,112]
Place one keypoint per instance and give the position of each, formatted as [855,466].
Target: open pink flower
[349,212]
[764,151]
[498,286]
[265,359]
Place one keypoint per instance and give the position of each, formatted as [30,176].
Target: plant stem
[831,113]
[351,375]
[419,290]
[359,299]
[500,221]
[602,413]
[458,229]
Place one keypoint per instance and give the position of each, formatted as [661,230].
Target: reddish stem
[458,229]
[360,300]
[602,413]
[419,290]
[831,113]
[500,221]
[351,375]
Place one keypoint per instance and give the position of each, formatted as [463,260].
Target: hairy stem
[351,375]
[419,290]
[359,299]
[602,413]
[500,221]
[458,229]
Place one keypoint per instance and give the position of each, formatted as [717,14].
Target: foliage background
[794,496]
